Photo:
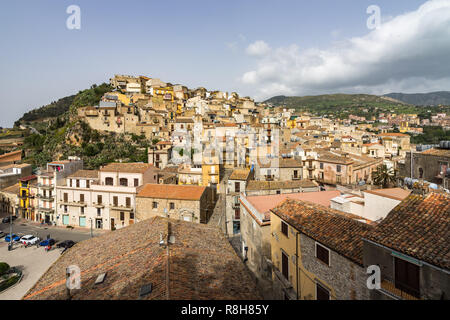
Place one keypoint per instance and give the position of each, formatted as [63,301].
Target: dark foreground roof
[419,227]
[341,232]
[201,264]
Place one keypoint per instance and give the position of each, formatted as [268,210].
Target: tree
[384,176]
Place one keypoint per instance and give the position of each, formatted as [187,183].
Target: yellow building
[27,193]
[211,170]
[317,253]
[166,93]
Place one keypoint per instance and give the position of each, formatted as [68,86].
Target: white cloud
[408,52]
[258,48]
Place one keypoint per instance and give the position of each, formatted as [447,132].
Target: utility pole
[91,227]
[10,231]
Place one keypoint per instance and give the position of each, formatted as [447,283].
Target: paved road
[32,261]
[57,233]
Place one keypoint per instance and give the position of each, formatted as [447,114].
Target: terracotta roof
[239,174]
[170,191]
[418,227]
[93,174]
[392,193]
[200,265]
[164,143]
[127,167]
[271,185]
[25,179]
[14,189]
[437,152]
[393,134]
[339,231]
[267,202]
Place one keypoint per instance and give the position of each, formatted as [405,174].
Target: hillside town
[246,200]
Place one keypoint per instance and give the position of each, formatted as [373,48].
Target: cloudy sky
[254,47]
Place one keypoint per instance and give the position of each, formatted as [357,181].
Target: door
[112,224]
[65,219]
[407,277]
[285,265]
[322,293]
[82,221]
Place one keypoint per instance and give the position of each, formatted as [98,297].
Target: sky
[257,48]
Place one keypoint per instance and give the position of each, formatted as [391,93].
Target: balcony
[121,208]
[311,167]
[46,186]
[46,197]
[46,210]
[236,205]
[73,203]
[296,177]
[269,178]
[389,288]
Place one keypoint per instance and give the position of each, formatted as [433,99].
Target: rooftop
[200,265]
[392,193]
[239,174]
[339,231]
[93,174]
[171,191]
[418,227]
[437,152]
[127,167]
[273,185]
[267,202]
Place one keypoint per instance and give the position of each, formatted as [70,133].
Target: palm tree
[384,176]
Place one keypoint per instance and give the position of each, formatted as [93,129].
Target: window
[82,198]
[172,206]
[123,182]
[338,179]
[99,199]
[323,254]
[131,215]
[285,265]
[128,202]
[237,187]
[109,181]
[70,182]
[99,212]
[122,216]
[78,183]
[66,197]
[116,201]
[321,165]
[87,183]
[154,205]
[284,228]
[322,293]
[136,182]
[65,209]
[237,214]
[407,277]
[338,168]
[295,173]
[278,191]
[81,210]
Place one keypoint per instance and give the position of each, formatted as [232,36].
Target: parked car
[15,237]
[66,244]
[2,234]
[6,219]
[47,242]
[29,239]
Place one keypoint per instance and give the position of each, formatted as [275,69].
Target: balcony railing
[46,186]
[296,177]
[269,178]
[391,289]
[236,205]
[46,197]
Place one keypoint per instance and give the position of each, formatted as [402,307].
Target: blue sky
[197,43]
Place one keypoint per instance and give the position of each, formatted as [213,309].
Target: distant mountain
[333,100]
[423,99]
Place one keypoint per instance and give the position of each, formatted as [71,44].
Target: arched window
[109,181]
[123,182]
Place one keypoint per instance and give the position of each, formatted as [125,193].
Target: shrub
[8,283]
[4,268]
